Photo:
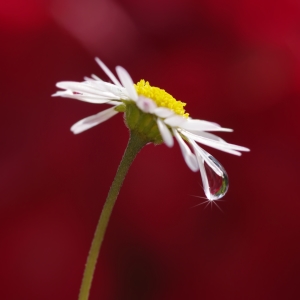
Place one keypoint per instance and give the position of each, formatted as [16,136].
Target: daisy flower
[158,117]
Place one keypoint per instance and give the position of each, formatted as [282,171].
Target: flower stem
[135,144]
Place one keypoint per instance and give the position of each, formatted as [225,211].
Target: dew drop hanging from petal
[215,186]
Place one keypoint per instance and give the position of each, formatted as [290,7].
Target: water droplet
[215,186]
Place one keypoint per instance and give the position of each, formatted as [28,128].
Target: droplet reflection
[215,186]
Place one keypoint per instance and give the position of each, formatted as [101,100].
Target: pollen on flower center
[160,97]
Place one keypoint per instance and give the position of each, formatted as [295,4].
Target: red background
[233,62]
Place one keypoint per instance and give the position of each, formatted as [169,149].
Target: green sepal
[143,124]
[120,108]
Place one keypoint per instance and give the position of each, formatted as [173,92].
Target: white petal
[194,123]
[86,98]
[221,129]
[145,104]
[108,88]
[95,77]
[223,146]
[163,112]
[108,72]
[216,138]
[91,99]
[175,121]
[201,125]
[204,176]
[234,152]
[207,135]
[127,82]
[112,102]
[85,88]
[205,156]
[188,156]
[94,120]
[165,133]
[62,93]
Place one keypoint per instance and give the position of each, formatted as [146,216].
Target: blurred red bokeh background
[234,62]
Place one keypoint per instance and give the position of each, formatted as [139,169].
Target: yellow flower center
[160,97]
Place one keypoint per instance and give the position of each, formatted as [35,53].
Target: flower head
[157,117]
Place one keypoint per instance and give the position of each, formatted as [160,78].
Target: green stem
[135,144]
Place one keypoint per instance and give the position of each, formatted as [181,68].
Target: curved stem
[135,144]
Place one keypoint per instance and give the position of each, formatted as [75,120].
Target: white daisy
[163,118]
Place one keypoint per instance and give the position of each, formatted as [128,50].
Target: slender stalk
[135,144]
